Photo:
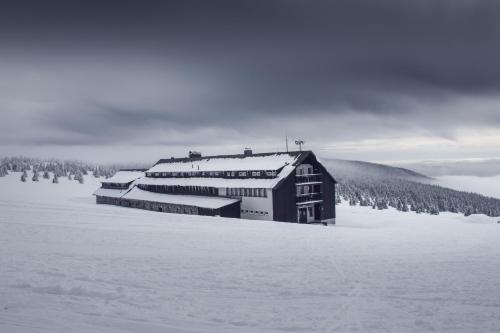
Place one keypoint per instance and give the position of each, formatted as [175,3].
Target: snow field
[69,265]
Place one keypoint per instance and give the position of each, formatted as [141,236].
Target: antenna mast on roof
[300,143]
[286,141]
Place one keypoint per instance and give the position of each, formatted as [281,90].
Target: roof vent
[194,154]
[247,152]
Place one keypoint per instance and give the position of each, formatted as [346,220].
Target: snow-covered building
[284,186]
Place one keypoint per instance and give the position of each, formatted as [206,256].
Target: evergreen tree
[35,176]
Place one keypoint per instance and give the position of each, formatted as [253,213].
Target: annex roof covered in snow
[272,161]
[179,199]
[112,193]
[124,177]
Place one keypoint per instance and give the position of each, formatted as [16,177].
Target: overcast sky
[370,80]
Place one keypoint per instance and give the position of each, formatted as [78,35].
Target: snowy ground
[489,186]
[68,265]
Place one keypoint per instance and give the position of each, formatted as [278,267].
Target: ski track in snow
[69,265]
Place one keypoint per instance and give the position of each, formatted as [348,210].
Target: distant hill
[381,186]
[346,168]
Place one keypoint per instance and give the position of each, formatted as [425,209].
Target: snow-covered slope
[68,265]
[358,169]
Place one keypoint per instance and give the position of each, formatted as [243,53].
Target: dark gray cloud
[215,72]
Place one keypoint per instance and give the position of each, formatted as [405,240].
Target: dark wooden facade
[285,199]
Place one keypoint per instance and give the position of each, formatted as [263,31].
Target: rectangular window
[255,173]
[306,189]
[242,173]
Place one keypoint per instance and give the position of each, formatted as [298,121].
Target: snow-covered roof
[123,177]
[178,199]
[224,163]
[219,182]
[112,193]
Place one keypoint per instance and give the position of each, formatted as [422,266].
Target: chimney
[247,152]
[194,154]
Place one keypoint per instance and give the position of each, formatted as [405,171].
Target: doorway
[303,215]
[317,212]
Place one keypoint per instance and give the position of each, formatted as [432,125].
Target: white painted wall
[255,205]
[258,204]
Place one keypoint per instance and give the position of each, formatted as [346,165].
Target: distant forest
[381,187]
[58,168]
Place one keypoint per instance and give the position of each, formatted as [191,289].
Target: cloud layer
[227,72]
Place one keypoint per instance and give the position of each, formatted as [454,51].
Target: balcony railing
[311,178]
[309,197]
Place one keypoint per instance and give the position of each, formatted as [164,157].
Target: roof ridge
[242,156]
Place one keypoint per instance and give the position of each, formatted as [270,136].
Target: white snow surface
[488,186]
[123,177]
[269,162]
[69,265]
[190,200]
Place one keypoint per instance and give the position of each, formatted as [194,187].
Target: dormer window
[255,173]
[242,173]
